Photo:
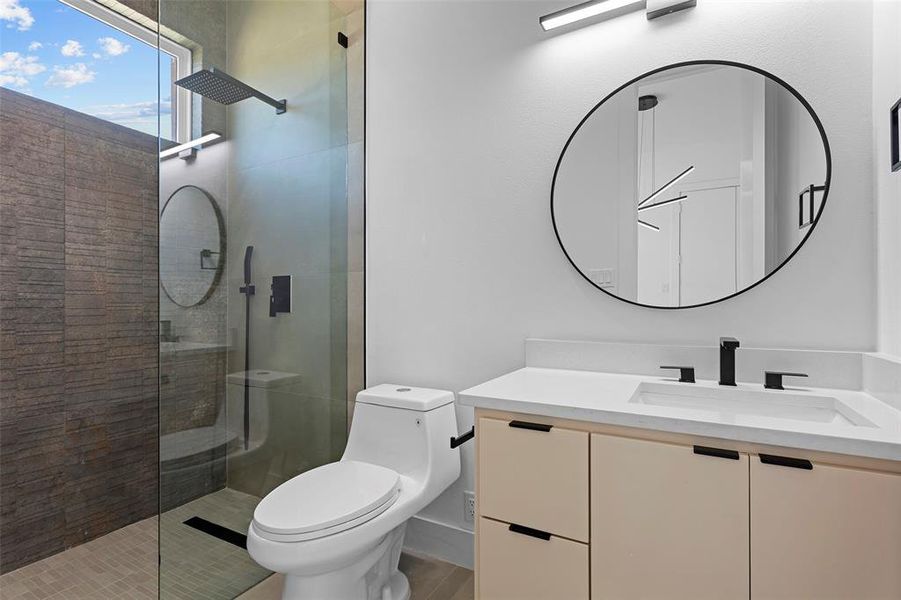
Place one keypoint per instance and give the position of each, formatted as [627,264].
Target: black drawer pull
[535,533]
[717,452]
[786,461]
[530,426]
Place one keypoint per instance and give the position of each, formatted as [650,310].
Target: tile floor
[198,566]
[123,564]
[430,579]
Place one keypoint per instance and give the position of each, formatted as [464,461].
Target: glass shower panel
[254,354]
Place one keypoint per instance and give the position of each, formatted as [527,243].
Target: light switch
[604,278]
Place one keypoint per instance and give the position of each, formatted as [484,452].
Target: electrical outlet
[469,507]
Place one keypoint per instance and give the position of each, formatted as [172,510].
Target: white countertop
[608,398]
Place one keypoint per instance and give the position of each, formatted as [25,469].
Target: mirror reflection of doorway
[707,246]
[694,254]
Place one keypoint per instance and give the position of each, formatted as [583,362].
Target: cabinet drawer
[533,477]
[517,566]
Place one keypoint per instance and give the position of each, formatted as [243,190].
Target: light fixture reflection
[204,139]
[662,203]
[667,185]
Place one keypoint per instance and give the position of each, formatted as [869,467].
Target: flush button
[402,390]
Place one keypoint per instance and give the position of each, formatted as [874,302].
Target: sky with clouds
[53,52]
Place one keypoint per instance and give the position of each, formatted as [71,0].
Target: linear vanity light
[190,146]
[667,185]
[603,9]
[662,203]
[648,225]
[607,9]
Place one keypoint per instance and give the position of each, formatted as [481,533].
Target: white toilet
[336,531]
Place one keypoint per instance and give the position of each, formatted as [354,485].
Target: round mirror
[192,246]
[690,184]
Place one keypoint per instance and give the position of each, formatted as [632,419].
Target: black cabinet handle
[786,461]
[530,426]
[535,533]
[717,452]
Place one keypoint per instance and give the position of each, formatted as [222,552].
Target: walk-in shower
[138,415]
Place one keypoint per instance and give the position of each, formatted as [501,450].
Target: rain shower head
[219,86]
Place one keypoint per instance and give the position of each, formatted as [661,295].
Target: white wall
[468,106]
[887,91]
[595,198]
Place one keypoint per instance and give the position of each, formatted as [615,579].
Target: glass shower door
[254,358]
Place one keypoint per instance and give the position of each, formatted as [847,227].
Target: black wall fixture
[896,136]
[280,299]
[248,289]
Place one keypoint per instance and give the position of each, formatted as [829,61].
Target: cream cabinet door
[534,475]
[827,532]
[667,521]
[521,566]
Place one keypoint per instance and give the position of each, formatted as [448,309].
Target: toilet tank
[407,429]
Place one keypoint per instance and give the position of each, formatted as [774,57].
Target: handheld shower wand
[248,289]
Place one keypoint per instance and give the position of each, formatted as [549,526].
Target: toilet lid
[325,497]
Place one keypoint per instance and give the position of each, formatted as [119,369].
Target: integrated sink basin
[726,402]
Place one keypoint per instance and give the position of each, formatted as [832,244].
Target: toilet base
[371,576]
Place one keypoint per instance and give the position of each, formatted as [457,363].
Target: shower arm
[280,105]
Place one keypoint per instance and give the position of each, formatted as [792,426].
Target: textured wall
[78,324]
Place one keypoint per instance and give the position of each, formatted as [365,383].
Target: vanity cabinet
[575,510]
[667,521]
[826,532]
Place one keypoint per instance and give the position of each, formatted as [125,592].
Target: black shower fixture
[219,86]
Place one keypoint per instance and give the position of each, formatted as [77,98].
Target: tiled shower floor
[197,566]
[123,564]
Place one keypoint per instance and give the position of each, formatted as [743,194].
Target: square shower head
[212,85]
[221,87]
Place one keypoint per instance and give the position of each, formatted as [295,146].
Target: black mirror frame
[220,267]
[816,220]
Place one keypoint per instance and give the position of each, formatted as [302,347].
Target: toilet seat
[326,500]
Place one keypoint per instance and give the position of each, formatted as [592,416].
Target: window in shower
[80,55]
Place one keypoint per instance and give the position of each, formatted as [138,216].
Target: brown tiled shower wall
[78,328]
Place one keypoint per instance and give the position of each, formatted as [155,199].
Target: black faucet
[727,360]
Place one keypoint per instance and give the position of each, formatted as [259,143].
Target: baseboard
[439,540]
